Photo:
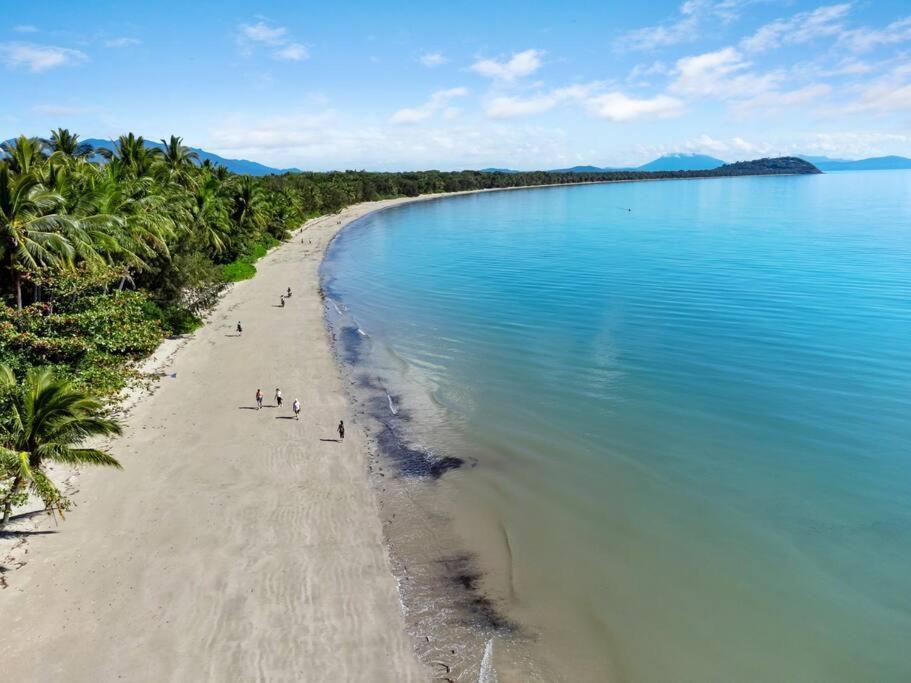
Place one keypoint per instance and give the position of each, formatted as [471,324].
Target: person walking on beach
[289,292]
[239,329]
[341,430]
[259,399]
[278,397]
[296,407]
[282,299]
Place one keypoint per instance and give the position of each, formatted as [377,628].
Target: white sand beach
[236,544]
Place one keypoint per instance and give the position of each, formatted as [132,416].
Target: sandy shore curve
[236,544]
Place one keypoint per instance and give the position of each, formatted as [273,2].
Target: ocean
[671,422]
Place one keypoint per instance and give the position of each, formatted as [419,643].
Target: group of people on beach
[279,398]
[295,408]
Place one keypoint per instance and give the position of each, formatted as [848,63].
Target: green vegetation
[45,419]
[101,254]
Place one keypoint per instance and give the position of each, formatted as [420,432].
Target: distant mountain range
[873,164]
[233,165]
[702,162]
[669,162]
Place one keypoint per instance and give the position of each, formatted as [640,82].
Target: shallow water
[688,405]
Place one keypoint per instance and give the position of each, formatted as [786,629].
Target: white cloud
[122,42]
[642,71]
[331,141]
[774,101]
[685,27]
[864,39]
[432,59]
[519,65]
[723,74]
[275,37]
[25,28]
[261,32]
[294,52]
[38,58]
[887,94]
[616,106]
[437,102]
[800,28]
[509,107]
[613,106]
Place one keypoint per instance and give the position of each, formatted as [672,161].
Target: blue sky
[451,85]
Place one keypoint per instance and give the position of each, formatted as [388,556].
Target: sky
[452,85]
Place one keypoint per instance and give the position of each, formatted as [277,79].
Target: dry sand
[236,544]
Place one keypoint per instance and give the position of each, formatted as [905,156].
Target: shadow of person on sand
[247,408]
[331,440]
[285,417]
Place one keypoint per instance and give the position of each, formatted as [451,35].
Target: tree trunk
[8,503]
[17,278]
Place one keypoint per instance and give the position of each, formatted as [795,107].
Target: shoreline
[214,520]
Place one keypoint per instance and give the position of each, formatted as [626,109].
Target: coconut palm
[49,421]
[64,143]
[176,155]
[248,205]
[33,235]
[209,219]
[23,154]
[128,220]
[131,156]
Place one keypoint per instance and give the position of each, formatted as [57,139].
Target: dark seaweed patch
[482,611]
[350,342]
[413,462]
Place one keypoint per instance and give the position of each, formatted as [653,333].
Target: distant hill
[682,162]
[776,166]
[233,165]
[592,169]
[872,164]
[669,162]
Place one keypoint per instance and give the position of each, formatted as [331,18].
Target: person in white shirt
[278,397]
[296,407]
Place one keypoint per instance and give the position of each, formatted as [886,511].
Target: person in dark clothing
[341,430]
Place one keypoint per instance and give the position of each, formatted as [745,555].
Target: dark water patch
[350,344]
[482,613]
[411,461]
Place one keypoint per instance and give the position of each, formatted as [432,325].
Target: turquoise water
[692,418]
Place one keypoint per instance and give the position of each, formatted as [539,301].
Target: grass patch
[242,268]
[238,270]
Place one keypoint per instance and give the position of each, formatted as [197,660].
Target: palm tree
[67,144]
[208,217]
[49,420]
[131,155]
[23,154]
[31,229]
[248,209]
[177,155]
[128,220]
